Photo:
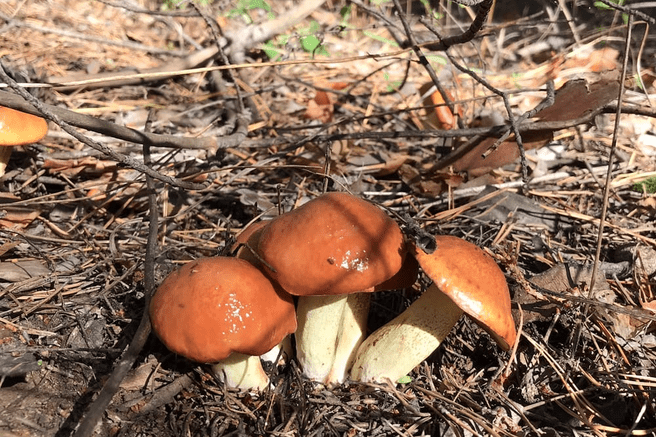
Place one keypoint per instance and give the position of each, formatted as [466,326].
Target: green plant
[646,186]
[604,7]
[307,37]
[169,5]
[243,7]
[309,40]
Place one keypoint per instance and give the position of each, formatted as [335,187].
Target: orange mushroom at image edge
[16,129]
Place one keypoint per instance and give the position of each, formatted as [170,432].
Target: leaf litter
[74,230]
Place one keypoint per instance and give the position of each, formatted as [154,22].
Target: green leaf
[380,38]
[272,51]
[259,4]
[310,43]
[404,380]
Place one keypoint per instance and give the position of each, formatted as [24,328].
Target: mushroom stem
[5,154]
[319,319]
[393,350]
[281,352]
[241,371]
[352,331]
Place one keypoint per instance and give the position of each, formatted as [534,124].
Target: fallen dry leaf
[572,101]
[22,270]
[16,217]
[72,167]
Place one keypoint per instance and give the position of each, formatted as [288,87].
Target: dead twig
[124,160]
[607,187]
[121,369]
[114,130]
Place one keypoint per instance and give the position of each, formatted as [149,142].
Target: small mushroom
[328,248]
[16,129]
[225,312]
[465,279]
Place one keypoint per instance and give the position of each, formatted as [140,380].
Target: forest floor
[292,121]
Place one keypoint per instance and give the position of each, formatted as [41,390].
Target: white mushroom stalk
[241,371]
[319,320]
[392,351]
[352,331]
[330,330]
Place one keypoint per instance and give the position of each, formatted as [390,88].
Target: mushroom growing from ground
[16,129]
[328,248]
[225,312]
[465,279]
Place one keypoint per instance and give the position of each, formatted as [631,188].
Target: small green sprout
[404,380]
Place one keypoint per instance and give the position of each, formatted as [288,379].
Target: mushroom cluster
[330,254]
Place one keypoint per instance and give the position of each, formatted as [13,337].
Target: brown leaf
[413,178]
[16,217]
[577,98]
[651,306]
[315,111]
[471,160]
[72,167]
[22,270]
[597,60]
[572,101]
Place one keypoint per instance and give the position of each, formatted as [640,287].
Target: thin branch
[607,187]
[43,111]
[114,130]
[100,404]
[630,11]
[424,61]
[444,43]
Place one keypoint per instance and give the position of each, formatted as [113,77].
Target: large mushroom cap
[18,128]
[469,277]
[333,244]
[213,307]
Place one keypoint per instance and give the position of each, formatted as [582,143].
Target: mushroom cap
[244,236]
[247,240]
[18,128]
[471,278]
[333,244]
[404,278]
[213,307]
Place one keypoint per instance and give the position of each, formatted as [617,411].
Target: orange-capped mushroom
[471,279]
[465,279]
[332,246]
[225,311]
[16,129]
